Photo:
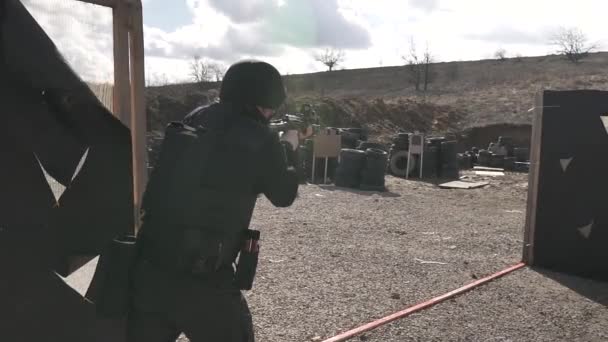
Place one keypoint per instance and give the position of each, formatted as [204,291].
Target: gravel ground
[523,306]
[339,258]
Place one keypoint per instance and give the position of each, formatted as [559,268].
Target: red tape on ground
[419,307]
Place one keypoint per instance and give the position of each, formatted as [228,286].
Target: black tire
[349,141]
[450,173]
[364,145]
[509,163]
[497,161]
[521,154]
[398,164]
[372,178]
[375,153]
[349,154]
[400,147]
[346,178]
[430,165]
[483,158]
[348,172]
[435,141]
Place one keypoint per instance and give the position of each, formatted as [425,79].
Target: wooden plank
[105,3]
[484,168]
[122,87]
[533,181]
[463,185]
[489,173]
[105,94]
[138,105]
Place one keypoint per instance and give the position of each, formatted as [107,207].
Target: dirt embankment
[461,96]
[384,116]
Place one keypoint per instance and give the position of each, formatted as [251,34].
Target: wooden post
[129,84]
[533,180]
[122,89]
[138,105]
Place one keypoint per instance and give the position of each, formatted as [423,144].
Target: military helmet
[253,82]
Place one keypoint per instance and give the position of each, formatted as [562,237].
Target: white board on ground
[463,185]
[485,168]
[490,173]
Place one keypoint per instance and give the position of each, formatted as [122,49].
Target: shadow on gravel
[594,290]
[359,192]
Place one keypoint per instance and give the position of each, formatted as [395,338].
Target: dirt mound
[383,116]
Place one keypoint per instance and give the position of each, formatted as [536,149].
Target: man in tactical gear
[195,216]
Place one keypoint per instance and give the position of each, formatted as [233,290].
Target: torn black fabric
[52,117]
[49,116]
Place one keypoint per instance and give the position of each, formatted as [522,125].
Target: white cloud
[82,32]
[287,33]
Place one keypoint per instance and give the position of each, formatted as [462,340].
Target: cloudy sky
[288,33]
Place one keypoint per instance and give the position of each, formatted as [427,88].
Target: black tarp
[570,224]
[49,116]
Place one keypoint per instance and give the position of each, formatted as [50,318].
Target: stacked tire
[350,137]
[509,163]
[397,155]
[521,154]
[401,142]
[497,161]
[465,161]
[374,170]
[364,145]
[348,172]
[430,161]
[484,158]
[449,160]
[398,164]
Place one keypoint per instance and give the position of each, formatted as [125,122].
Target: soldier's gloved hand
[290,157]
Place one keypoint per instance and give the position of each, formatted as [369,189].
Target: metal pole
[314,158]
[325,178]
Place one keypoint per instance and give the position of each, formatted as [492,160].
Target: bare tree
[427,61]
[200,70]
[420,72]
[572,43]
[217,71]
[331,58]
[501,54]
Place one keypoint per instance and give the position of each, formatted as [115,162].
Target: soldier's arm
[278,181]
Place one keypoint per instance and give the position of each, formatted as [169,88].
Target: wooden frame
[129,83]
[533,179]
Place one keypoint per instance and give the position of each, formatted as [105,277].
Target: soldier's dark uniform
[248,160]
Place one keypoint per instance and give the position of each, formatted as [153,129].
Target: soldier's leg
[246,321]
[148,327]
[218,317]
[151,316]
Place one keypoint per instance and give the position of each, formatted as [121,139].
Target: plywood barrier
[567,217]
